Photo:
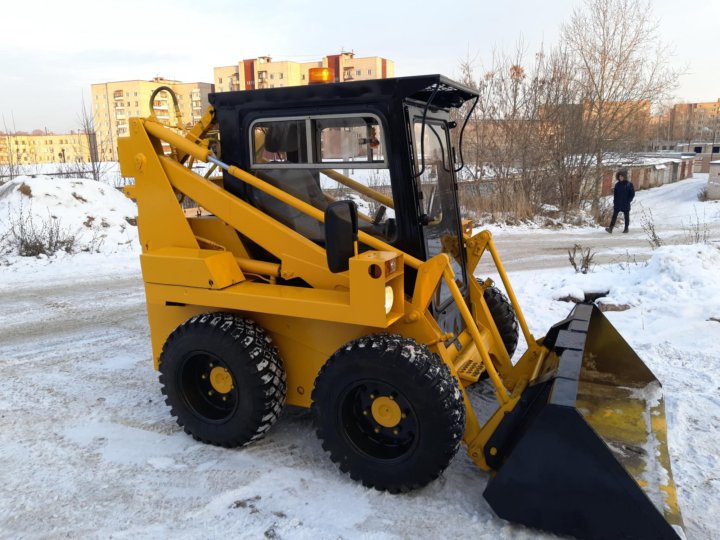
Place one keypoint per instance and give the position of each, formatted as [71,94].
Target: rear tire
[389,412]
[503,315]
[223,379]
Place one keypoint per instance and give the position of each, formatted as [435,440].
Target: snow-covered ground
[89,448]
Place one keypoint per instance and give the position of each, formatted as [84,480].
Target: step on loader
[305,246]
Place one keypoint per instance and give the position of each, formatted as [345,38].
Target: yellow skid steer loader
[328,267]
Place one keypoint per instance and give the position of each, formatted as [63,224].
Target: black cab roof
[447,93]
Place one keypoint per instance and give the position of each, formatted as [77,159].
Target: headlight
[389,298]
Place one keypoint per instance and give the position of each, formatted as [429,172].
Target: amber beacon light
[321,75]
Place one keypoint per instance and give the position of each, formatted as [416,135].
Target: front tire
[503,315]
[389,412]
[223,379]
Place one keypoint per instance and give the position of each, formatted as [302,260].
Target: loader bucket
[585,451]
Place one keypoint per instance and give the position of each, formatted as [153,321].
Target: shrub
[696,232]
[29,237]
[647,222]
[581,258]
[25,190]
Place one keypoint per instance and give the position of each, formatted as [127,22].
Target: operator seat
[300,183]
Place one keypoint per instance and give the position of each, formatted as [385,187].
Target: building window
[280,75]
[219,80]
[272,76]
[358,72]
[135,94]
[369,71]
[303,77]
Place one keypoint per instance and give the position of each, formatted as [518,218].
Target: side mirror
[341,233]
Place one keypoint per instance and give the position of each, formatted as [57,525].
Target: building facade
[30,149]
[114,103]
[263,72]
[695,122]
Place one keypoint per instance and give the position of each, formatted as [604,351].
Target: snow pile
[99,217]
[682,271]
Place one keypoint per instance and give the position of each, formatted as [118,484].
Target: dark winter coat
[623,194]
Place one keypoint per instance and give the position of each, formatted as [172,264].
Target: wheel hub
[386,411]
[221,380]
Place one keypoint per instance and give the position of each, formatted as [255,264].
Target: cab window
[321,159]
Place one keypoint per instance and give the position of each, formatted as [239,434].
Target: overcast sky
[51,52]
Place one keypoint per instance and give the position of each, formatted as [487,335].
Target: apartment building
[114,103]
[29,149]
[695,121]
[263,72]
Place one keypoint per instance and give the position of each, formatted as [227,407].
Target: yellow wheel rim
[386,411]
[221,380]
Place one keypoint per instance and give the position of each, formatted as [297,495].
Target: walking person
[623,194]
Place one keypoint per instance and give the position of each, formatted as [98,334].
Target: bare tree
[87,128]
[528,132]
[95,168]
[501,143]
[11,167]
[621,62]
[563,133]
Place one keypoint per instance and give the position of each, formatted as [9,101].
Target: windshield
[440,219]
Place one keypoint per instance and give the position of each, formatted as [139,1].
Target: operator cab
[384,144]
